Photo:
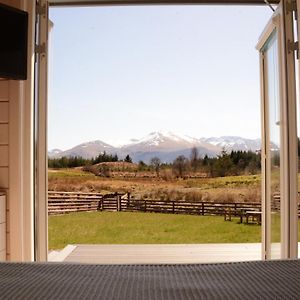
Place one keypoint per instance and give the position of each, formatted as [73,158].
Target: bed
[244,280]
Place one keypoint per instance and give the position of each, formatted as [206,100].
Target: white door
[41,153]
[279,135]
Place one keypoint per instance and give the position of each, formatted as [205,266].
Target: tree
[223,164]
[155,162]
[194,159]
[104,157]
[128,159]
[180,165]
[104,170]
[142,166]
[205,160]
[115,158]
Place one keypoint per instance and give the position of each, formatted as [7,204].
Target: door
[279,135]
[41,153]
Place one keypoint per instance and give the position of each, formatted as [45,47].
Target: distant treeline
[234,163]
[225,164]
[78,161]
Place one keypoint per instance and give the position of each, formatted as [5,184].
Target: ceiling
[149,2]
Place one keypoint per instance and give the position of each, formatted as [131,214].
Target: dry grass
[223,189]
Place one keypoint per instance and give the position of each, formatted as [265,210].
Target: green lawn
[68,173]
[146,228]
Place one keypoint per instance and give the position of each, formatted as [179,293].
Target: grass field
[146,228]
[140,228]
[221,189]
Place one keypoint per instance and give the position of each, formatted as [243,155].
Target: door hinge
[41,9]
[269,4]
[293,46]
[40,49]
[291,6]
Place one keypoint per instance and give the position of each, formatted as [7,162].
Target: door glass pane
[272,73]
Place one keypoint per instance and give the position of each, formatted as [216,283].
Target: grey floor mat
[247,280]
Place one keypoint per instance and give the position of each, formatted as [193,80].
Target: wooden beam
[157,2]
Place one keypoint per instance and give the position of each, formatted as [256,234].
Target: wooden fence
[65,202]
[187,207]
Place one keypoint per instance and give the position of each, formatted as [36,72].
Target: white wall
[16,153]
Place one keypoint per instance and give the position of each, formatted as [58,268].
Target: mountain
[234,143]
[54,152]
[165,145]
[165,141]
[86,150]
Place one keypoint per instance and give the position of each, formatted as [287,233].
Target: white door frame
[41,152]
[289,139]
[290,247]
[282,22]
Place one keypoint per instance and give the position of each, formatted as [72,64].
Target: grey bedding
[247,280]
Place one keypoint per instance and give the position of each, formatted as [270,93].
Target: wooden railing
[187,207]
[66,202]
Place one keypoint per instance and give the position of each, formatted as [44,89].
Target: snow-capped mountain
[85,150]
[234,143]
[163,141]
[54,152]
[165,145]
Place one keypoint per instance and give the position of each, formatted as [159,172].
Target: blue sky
[118,73]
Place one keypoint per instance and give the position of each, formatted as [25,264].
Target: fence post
[128,200]
[202,208]
[119,208]
[173,207]
[145,203]
[99,205]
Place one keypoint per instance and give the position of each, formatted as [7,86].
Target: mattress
[243,280]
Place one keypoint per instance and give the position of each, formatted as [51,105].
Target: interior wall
[16,153]
[4,142]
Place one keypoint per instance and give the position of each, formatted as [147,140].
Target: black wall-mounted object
[13,43]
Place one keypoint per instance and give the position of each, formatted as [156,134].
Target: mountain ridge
[165,145]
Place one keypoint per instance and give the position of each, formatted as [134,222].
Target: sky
[117,73]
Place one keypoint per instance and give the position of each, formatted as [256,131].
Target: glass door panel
[274,142]
[279,136]
[272,117]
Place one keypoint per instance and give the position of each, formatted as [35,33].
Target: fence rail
[187,207]
[66,202]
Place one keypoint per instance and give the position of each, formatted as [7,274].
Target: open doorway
[162,105]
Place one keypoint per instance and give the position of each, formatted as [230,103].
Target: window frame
[41,215]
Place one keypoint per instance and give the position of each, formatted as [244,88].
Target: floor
[158,254]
